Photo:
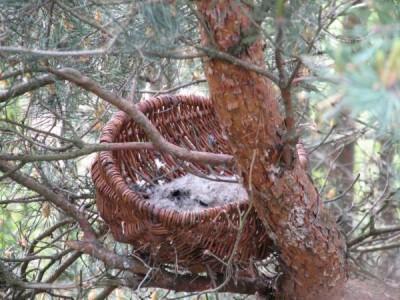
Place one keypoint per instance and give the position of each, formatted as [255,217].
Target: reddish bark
[312,248]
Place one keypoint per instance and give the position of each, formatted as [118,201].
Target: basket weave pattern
[165,235]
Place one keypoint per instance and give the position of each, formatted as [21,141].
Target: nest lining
[193,193]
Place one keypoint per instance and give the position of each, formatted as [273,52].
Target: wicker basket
[167,236]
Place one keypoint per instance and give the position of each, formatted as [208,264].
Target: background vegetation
[344,55]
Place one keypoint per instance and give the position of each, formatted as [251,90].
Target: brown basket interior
[163,235]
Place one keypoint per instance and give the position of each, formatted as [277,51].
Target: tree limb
[51,196]
[214,53]
[87,149]
[159,142]
[22,88]
[372,233]
[98,52]
[167,280]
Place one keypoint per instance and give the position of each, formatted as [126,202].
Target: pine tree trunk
[390,260]
[312,248]
[342,177]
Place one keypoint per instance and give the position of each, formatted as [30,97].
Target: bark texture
[312,248]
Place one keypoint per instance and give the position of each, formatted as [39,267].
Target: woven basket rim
[119,185]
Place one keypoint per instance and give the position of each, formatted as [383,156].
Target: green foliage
[368,70]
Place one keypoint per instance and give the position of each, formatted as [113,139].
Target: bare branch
[14,169]
[51,53]
[168,91]
[345,192]
[65,265]
[22,88]
[51,196]
[46,133]
[213,53]
[151,131]
[87,149]
[197,283]
[167,280]
[94,248]
[377,248]
[175,54]
[24,200]
[16,73]
[372,233]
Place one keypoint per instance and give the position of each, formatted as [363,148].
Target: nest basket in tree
[166,236]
